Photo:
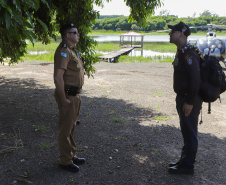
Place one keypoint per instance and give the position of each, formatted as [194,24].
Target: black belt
[71,90]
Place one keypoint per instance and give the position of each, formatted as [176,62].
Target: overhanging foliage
[40,19]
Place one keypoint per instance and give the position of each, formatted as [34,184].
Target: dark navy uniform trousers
[189,129]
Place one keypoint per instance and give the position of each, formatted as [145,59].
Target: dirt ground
[128,135]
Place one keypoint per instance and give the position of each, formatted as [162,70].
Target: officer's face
[174,35]
[73,35]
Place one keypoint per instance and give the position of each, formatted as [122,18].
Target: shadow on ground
[123,144]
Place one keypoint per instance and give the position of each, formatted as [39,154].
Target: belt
[71,90]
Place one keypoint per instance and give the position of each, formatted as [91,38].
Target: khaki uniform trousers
[66,129]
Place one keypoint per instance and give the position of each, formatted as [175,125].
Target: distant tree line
[110,16]
[120,23]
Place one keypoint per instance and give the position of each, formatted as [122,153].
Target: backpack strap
[209,108]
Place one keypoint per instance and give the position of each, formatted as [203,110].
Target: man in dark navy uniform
[186,84]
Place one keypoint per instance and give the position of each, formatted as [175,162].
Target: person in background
[186,82]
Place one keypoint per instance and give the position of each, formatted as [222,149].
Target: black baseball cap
[66,27]
[182,27]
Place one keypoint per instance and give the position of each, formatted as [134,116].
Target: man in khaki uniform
[68,79]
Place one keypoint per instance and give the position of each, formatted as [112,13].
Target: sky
[179,8]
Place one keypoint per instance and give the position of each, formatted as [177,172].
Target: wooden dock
[112,57]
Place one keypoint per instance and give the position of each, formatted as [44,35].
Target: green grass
[107,47]
[204,33]
[39,47]
[141,59]
[119,120]
[162,118]
[160,47]
[154,46]
[45,145]
[106,32]
[47,57]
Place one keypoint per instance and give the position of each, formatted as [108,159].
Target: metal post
[142,42]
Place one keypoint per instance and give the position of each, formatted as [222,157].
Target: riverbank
[41,52]
[161,32]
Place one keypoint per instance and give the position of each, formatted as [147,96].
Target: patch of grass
[107,47]
[157,93]
[162,118]
[160,47]
[141,59]
[41,128]
[127,110]
[154,46]
[112,112]
[204,33]
[106,32]
[38,46]
[45,145]
[47,57]
[87,115]
[158,107]
[119,120]
[155,151]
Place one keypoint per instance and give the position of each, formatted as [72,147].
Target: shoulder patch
[63,54]
[189,59]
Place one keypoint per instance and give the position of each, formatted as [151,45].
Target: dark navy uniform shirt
[186,79]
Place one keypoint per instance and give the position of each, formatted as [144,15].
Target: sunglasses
[74,32]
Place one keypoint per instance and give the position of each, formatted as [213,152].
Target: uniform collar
[70,45]
[183,48]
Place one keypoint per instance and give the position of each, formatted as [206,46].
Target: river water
[147,38]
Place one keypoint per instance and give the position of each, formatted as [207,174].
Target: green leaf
[17,17]
[14,32]
[43,25]
[17,4]
[7,20]
[33,3]
[46,3]
[27,24]
[29,16]
[4,5]
[28,35]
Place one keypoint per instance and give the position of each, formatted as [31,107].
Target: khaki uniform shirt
[66,57]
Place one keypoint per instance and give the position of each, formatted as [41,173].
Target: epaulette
[64,45]
[188,47]
[78,53]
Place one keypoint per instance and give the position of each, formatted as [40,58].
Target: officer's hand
[65,106]
[187,108]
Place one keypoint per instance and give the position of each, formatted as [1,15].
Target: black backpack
[212,79]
